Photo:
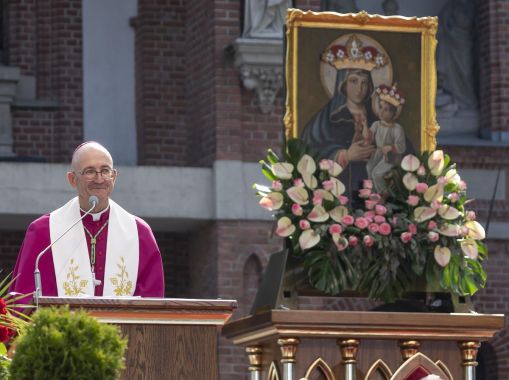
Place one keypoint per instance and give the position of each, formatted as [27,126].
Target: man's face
[96,159]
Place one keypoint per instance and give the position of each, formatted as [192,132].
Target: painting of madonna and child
[357,99]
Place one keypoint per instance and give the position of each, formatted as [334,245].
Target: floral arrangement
[417,227]
[12,321]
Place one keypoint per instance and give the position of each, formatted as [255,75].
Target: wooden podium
[333,345]
[168,338]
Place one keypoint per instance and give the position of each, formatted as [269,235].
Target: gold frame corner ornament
[362,21]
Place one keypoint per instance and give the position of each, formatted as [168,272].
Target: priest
[109,253]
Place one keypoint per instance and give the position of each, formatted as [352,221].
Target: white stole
[71,258]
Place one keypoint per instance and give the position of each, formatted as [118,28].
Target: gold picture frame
[407,43]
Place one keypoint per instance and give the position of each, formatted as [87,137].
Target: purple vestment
[150,281]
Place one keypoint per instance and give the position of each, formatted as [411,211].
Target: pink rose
[296,209]
[369,214]
[470,215]
[384,229]
[364,193]
[335,229]
[370,205]
[433,236]
[361,222]
[328,185]
[325,164]
[368,241]
[442,181]
[412,228]
[347,220]
[317,198]
[367,184]
[343,200]
[406,237]
[373,228]
[413,200]
[379,219]
[298,182]
[304,224]
[380,210]
[353,240]
[432,225]
[277,185]
[462,185]
[421,171]
[435,205]
[421,187]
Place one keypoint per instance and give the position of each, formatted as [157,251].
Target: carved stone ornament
[261,69]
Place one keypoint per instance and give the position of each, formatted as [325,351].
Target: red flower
[4,334]
[3,306]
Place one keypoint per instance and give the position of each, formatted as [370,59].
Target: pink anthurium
[410,181]
[436,162]
[442,255]
[450,230]
[310,180]
[306,165]
[337,188]
[422,214]
[282,170]
[475,230]
[338,212]
[434,193]
[469,248]
[298,194]
[448,212]
[272,201]
[284,227]
[324,194]
[318,214]
[308,239]
[410,163]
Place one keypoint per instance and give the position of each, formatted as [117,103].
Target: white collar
[96,216]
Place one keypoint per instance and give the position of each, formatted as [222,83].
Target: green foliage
[61,344]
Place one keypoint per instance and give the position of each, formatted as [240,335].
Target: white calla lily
[306,165]
[434,193]
[310,180]
[442,255]
[308,239]
[318,214]
[475,230]
[451,230]
[285,227]
[282,170]
[410,181]
[448,212]
[272,201]
[410,163]
[436,162]
[338,212]
[422,214]
[469,248]
[298,194]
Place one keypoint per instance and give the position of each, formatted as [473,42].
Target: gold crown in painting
[390,95]
[354,55]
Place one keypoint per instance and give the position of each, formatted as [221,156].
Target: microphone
[93,201]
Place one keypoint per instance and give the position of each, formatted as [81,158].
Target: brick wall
[160,45]
[10,242]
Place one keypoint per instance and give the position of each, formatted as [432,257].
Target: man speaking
[109,252]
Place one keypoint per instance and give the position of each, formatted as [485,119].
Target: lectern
[169,338]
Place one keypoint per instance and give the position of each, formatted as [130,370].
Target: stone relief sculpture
[457,103]
[265,18]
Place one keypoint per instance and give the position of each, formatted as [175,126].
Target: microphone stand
[37,274]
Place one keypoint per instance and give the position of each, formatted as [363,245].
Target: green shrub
[61,344]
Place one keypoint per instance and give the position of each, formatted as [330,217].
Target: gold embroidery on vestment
[75,286]
[123,286]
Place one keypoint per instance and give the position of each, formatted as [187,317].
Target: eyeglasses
[90,173]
